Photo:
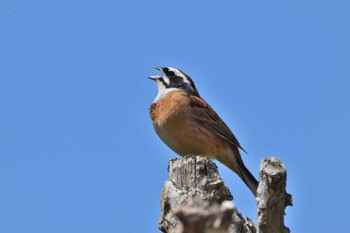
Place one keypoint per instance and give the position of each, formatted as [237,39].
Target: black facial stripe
[164,83]
[181,85]
[175,81]
[168,72]
[183,82]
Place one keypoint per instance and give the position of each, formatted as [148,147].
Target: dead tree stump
[196,200]
[272,197]
[197,177]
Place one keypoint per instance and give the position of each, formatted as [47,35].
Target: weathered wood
[196,200]
[272,198]
[197,216]
[197,177]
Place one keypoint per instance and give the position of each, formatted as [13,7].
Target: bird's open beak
[158,68]
[155,77]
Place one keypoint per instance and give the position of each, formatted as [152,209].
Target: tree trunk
[196,200]
[272,198]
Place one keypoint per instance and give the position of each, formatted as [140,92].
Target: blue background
[77,149]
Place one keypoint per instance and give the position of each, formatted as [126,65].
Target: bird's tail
[235,163]
[247,177]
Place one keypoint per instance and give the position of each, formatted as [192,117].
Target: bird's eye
[170,73]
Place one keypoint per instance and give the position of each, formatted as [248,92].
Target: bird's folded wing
[206,116]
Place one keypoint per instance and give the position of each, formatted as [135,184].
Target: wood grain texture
[272,198]
[193,180]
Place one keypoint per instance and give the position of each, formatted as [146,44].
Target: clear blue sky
[77,149]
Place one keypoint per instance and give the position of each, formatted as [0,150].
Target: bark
[192,200]
[272,197]
[196,200]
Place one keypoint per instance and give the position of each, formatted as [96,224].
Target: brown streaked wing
[207,117]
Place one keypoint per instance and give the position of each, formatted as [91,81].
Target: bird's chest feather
[174,124]
[169,110]
[170,118]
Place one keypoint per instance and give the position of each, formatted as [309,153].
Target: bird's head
[173,79]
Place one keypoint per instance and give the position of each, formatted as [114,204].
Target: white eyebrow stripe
[176,71]
[180,74]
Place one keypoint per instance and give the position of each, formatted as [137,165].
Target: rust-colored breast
[171,107]
[189,126]
[173,120]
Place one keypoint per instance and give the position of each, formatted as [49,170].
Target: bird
[188,125]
